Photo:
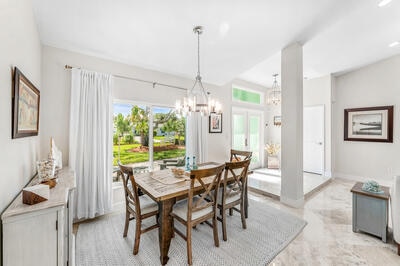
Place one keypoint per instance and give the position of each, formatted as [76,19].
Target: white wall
[374,85]
[19,46]
[56,84]
[317,91]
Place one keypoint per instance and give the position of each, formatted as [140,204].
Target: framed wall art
[25,106]
[215,123]
[369,124]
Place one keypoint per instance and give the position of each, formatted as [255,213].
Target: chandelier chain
[198,53]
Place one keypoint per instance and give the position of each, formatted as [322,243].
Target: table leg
[165,230]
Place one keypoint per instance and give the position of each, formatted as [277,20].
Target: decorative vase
[272,162]
[46,170]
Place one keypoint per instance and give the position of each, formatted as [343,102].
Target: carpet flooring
[268,232]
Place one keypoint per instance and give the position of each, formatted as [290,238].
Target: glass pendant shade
[275,95]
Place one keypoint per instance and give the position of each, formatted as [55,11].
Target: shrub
[115,139]
[128,139]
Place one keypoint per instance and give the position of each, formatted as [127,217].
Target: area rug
[268,232]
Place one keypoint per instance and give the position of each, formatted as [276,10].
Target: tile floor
[268,182]
[328,238]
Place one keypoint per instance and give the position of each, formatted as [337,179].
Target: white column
[292,125]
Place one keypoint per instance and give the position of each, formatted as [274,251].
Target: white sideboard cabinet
[41,234]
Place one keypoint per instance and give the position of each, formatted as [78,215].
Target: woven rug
[268,232]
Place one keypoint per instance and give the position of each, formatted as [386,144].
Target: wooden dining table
[158,186]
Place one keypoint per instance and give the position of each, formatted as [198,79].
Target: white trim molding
[297,203]
[381,180]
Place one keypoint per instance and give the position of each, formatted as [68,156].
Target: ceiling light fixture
[393,44]
[197,100]
[274,96]
[383,3]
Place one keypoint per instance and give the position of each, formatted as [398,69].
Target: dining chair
[199,208]
[138,208]
[233,193]
[237,155]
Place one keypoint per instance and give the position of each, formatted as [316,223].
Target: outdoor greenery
[127,156]
[132,132]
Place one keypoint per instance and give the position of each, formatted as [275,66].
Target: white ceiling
[241,38]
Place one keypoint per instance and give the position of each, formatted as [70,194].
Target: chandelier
[197,100]
[274,96]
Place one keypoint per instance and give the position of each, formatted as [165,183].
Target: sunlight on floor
[268,181]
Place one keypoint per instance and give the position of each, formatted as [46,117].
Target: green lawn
[135,157]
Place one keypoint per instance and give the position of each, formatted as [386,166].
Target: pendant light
[197,99]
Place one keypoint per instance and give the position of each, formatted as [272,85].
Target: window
[145,135]
[247,96]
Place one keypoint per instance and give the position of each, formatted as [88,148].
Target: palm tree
[140,121]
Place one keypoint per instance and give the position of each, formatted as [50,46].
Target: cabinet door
[31,240]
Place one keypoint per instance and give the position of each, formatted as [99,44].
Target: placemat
[167,177]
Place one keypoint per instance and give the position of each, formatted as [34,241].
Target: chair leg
[230,212]
[398,249]
[224,235]
[242,214]
[126,223]
[173,229]
[137,236]
[189,243]
[215,230]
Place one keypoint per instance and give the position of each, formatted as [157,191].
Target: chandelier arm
[204,91]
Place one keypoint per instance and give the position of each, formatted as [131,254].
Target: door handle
[245,142]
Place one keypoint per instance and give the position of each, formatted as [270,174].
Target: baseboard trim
[328,173]
[296,203]
[381,181]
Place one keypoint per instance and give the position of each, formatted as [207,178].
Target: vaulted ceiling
[242,39]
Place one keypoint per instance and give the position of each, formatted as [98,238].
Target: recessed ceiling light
[393,44]
[384,3]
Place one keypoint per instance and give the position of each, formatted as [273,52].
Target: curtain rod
[140,80]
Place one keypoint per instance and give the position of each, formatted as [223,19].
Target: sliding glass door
[146,135]
[168,145]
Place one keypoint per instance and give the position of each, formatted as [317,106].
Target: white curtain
[196,137]
[90,142]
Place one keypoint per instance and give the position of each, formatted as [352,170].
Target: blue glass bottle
[194,166]
[187,168]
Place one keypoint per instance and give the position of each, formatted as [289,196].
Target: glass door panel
[239,132]
[168,138]
[131,136]
[254,138]
[247,133]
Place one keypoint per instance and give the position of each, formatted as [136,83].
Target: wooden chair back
[209,194]
[238,170]
[237,155]
[131,192]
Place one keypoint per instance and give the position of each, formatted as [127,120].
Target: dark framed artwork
[25,106]
[277,120]
[215,123]
[369,124]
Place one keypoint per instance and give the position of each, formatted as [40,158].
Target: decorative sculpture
[372,186]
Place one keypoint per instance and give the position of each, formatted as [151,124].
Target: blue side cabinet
[370,211]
